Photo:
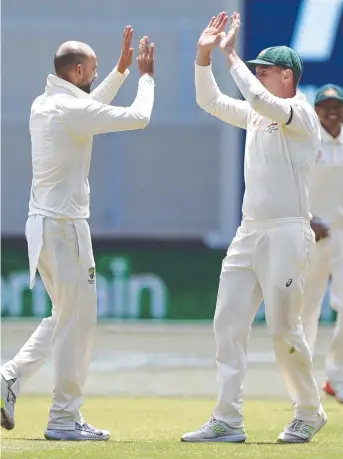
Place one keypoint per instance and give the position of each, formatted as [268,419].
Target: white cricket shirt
[63,122]
[279,157]
[327,180]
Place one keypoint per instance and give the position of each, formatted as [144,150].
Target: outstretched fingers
[220,21]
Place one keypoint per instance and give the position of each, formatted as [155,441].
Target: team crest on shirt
[91,273]
[272,127]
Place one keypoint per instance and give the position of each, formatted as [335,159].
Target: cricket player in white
[326,197]
[269,256]
[62,125]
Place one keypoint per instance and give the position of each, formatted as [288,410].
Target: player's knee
[227,334]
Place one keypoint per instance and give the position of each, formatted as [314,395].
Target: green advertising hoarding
[164,282]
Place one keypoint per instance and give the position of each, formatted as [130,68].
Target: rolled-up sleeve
[213,101]
[293,113]
[86,117]
[109,87]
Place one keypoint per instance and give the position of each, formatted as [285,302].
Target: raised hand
[125,59]
[146,57]
[228,40]
[211,36]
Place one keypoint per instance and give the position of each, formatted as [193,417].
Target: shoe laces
[299,426]
[88,428]
[208,423]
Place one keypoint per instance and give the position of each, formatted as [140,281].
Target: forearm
[144,102]
[89,117]
[108,89]
[233,59]
[203,58]
[213,101]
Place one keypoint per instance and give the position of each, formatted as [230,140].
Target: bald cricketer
[63,122]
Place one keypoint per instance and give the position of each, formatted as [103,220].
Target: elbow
[208,103]
[138,119]
[208,107]
[143,121]
[200,101]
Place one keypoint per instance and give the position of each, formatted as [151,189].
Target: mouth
[333,117]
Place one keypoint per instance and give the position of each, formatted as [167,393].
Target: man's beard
[86,87]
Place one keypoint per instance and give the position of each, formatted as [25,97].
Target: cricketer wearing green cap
[326,197]
[269,256]
[281,56]
[328,92]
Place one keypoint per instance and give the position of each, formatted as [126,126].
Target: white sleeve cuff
[121,75]
[148,78]
[203,68]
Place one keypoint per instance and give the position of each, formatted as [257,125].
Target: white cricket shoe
[8,399]
[82,432]
[216,431]
[298,431]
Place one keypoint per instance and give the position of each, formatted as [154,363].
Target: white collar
[55,84]
[299,95]
[326,137]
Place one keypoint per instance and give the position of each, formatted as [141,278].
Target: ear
[288,74]
[79,70]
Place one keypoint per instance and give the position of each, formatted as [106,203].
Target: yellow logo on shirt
[91,272]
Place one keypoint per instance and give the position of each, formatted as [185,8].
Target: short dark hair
[296,80]
[66,60]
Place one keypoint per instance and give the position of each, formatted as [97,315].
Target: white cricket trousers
[328,259]
[66,266]
[265,261]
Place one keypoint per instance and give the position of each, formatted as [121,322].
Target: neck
[286,93]
[64,76]
[334,131]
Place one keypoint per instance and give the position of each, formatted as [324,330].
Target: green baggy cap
[328,91]
[281,56]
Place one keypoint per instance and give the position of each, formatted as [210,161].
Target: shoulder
[306,114]
[304,106]
[38,101]
[75,105]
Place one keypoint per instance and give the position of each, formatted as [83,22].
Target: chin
[85,88]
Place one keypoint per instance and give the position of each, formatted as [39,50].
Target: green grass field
[150,428]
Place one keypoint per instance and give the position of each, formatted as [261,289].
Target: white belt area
[34,237]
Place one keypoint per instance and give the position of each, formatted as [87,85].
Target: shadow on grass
[69,441]
[248,443]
